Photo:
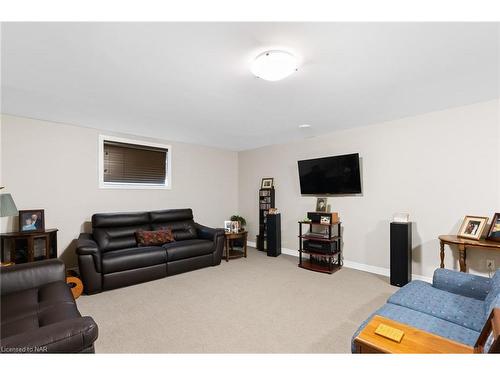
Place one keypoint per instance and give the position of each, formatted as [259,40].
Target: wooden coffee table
[230,253]
[414,341]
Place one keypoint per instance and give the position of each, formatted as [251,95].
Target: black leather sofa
[38,312]
[110,258]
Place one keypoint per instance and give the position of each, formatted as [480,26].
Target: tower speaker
[274,235]
[400,253]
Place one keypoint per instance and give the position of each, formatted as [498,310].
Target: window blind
[136,164]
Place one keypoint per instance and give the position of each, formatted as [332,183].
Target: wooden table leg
[442,254]
[227,249]
[461,250]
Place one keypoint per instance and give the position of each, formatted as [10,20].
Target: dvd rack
[266,202]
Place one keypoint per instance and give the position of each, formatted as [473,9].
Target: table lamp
[7,205]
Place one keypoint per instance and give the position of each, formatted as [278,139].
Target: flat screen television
[330,175]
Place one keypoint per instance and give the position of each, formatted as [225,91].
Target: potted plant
[240,219]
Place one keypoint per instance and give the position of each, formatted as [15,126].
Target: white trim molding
[132,186]
[354,265]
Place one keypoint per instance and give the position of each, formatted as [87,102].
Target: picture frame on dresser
[472,227]
[32,220]
[494,232]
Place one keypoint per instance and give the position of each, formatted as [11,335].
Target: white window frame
[131,186]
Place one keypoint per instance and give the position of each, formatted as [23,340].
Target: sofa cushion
[168,216]
[37,307]
[424,322]
[493,298]
[188,249]
[136,257]
[114,231]
[182,230]
[421,296]
[153,237]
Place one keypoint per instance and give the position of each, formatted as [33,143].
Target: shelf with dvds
[266,202]
[323,249]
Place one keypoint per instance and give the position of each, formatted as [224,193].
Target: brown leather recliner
[110,258]
[38,312]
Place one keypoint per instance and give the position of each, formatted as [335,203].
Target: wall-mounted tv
[330,175]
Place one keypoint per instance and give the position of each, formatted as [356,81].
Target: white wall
[438,166]
[54,167]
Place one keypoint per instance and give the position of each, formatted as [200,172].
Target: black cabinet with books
[266,202]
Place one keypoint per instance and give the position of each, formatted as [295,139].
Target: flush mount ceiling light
[274,65]
[304,126]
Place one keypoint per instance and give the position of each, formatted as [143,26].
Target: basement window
[132,164]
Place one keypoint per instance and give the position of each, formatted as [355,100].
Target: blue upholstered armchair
[455,306]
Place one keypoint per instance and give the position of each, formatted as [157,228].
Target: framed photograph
[235,226]
[325,220]
[267,183]
[321,204]
[227,226]
[472,227]
[494,233]
[31,220]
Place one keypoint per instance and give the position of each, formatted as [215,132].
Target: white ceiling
[191,81]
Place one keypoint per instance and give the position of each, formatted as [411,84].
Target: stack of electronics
[319,238]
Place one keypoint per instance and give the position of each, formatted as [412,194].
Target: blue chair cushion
[423,297]
[464,284]
[493,298]
[424,322]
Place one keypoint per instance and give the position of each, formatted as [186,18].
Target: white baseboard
[354,265]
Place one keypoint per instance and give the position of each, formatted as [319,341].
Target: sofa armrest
[66,336]
[207,233]
[85,245]
[461,283]
[89,262]
[31,275]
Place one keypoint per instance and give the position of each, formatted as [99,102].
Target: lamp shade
[7,205]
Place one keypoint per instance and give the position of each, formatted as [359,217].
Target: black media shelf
[319,261]
[266,202]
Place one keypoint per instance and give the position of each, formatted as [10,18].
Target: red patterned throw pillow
[153,237]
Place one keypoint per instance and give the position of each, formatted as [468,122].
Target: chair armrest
[66,336]
[461,283]
[31,275]
[207,233]
[85,245]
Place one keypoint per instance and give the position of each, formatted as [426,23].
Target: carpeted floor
[254,305]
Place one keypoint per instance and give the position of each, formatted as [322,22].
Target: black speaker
[400,253]
[274,235]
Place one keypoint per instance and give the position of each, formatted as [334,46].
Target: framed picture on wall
[472,227]
[31,220]
[494,233]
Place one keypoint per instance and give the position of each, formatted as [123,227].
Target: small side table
[230,253]
[414,341]
[464,244]
[49,236]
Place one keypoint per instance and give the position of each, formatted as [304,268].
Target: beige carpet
[254,305]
